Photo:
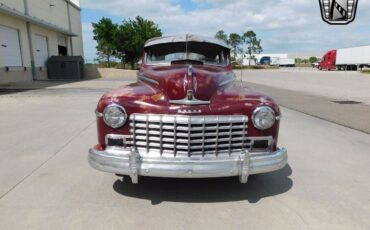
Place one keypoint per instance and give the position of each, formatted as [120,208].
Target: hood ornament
[190,70]
[190,95]
[189,100]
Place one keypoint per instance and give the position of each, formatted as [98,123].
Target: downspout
[70,24]
[30,45]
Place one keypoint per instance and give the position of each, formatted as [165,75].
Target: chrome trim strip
[98,114]
[226,82]
[185,101]
[143,78]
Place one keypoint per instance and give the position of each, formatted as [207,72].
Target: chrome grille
[179,135]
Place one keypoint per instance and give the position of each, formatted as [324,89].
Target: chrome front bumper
[127,162]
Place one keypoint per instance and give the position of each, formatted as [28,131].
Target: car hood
[176,80]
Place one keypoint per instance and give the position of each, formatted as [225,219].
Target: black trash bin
[65,67]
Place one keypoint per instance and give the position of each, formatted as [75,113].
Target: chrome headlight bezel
[119,109]
[263,110]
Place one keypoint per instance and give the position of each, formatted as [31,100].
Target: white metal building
[33,30]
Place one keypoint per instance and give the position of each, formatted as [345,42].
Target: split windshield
[194,51]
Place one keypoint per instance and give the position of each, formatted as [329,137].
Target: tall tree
[104,33]
[222,36]
[235,41]
[131,36]
[313,59]
[252,43]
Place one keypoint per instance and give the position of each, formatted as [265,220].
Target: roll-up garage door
[41,48]
[10,50]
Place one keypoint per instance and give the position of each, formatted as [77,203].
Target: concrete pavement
[339,97]
[46,182]
[333,84]
[355,116]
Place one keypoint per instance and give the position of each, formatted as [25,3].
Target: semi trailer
[346,59]
[277,61]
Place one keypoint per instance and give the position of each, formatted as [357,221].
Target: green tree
[222,36]
[313,59]
[131,37]
[104,33]
[253,44]
[235,41]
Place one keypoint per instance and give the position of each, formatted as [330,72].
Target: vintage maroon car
[187,116]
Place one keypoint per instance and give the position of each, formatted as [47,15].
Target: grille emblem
[338,12]
[189,111]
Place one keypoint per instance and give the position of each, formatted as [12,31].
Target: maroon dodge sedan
[187,117]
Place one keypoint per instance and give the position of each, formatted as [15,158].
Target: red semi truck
[346,59]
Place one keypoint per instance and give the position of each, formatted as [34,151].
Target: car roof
[185,38]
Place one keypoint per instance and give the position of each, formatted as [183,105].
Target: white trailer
[275,55]
[288,62]
[354,57]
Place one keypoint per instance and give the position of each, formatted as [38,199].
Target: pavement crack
[48,159]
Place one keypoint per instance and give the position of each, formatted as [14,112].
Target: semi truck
[283,62]
[346,59]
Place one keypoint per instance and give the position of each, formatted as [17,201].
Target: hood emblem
[189,111]
[338,12]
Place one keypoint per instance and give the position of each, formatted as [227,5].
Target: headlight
[263,117]
[114,116]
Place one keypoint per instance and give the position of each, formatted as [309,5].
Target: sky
[284,26]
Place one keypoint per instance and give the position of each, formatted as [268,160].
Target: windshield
[195,51]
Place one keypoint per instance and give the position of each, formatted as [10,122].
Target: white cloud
[285,25]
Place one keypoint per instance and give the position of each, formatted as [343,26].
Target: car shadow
[209,190]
